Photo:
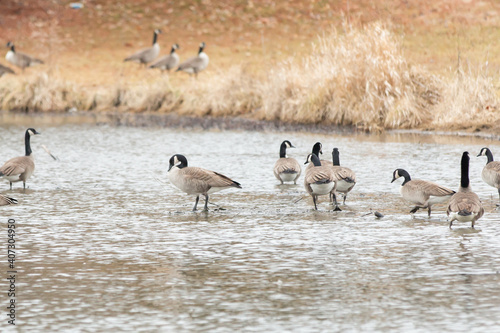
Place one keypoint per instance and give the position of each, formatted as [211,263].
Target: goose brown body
[197,181]
[421,193]
[491,171]
[286,169]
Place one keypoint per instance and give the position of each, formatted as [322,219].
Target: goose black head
[177,160]
[32,131]
[202,47]
[312,158]
[317,149]
[284,145]
[400,173]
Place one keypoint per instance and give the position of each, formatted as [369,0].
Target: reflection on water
[107,244]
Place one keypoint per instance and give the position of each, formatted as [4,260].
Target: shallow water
[105,243]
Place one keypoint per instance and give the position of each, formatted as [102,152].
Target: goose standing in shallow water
[491,171]
[195,64]
[4,201]
[465,205]
[167,62]
[287,169]
[149,54]
[193,180]
[20,168]
[19,59]
[346,177]
[421,193]
[320,180]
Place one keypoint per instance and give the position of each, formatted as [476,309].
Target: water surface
[107,244]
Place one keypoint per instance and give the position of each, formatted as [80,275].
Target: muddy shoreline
[173,120]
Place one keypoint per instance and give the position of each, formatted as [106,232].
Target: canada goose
[19,59]
[287,169]
[346,177]
[193,180]
[5,70]
[20,168]
[422,193]
[320,180]
[149,54]
[491,171]
[167,62]
[196,64]
[4,201]
[465,206]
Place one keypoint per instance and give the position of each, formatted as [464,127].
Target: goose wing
[190,63]
[492,170]
[142,55]
[26,60]
[429,188]
[204,179]
[344,173]
[465,202]
[289,165]
[319,174]
[7,201]
[169,61]
[15,166]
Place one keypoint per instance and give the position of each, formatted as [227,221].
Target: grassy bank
[358,77]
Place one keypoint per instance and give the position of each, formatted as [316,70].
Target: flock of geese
[324,177]
[193,65]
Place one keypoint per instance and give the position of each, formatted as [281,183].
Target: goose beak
[478,155]
[292,146]
[170,167]
[393,179]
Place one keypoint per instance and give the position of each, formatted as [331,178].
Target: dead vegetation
[358,78]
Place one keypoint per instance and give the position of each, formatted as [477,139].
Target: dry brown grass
[470,100]
[358,78]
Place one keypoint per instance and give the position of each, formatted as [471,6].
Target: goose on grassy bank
[169,61]
[195,64]
[19,59]
[149,54]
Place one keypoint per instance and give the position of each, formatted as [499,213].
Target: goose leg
[498,196]
[206,203]
[345,196]
[414,210]
[314,200]
[10,185]
[196,203]
[337,209]
[429,213]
